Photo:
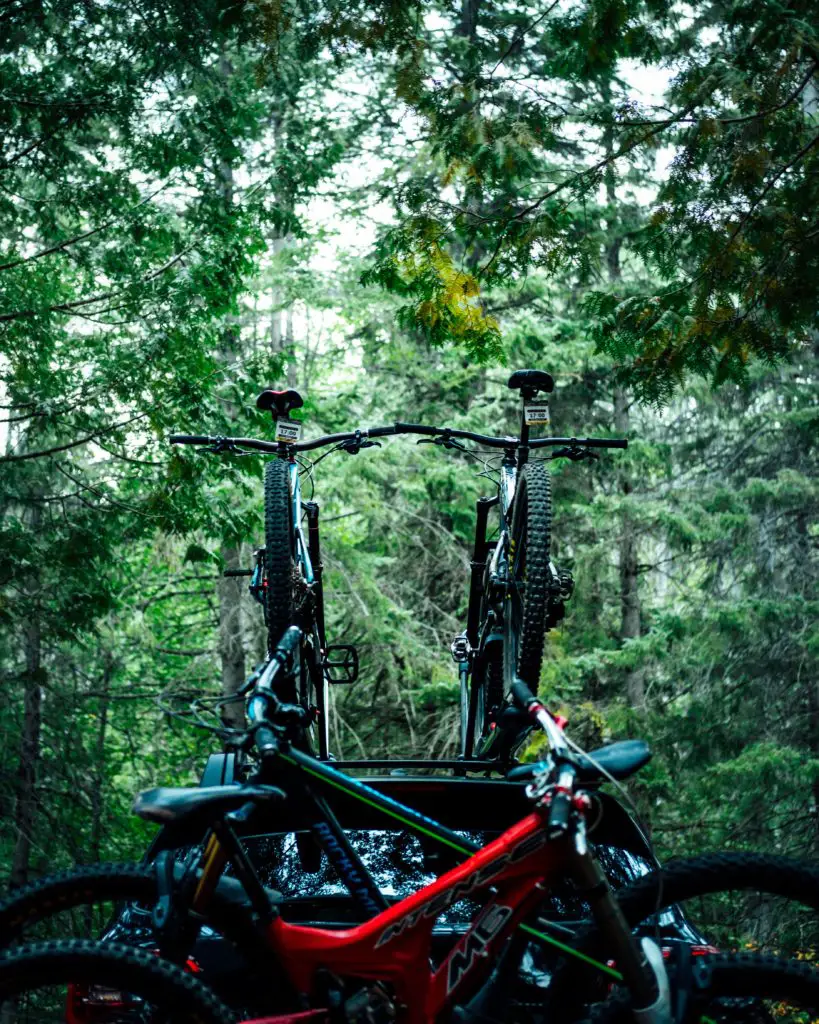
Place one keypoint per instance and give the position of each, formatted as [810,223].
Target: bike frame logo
[446,899]
[473,944]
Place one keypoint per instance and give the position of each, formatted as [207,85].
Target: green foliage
[529,116]
[162,261]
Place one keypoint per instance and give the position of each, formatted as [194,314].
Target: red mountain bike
[381,969]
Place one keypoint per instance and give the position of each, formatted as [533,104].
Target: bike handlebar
[400,428]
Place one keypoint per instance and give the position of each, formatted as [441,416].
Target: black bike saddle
[531,380]
[279,402]
[620,760]
[204,804]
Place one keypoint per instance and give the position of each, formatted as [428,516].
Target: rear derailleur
[561,588]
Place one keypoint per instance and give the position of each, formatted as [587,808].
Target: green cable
[372,803]
[543,936]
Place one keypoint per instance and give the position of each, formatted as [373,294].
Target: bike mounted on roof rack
[516,592]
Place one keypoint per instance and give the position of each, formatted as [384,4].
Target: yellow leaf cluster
[456,294]
[459,294]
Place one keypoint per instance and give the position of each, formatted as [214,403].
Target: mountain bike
[102,983]
[516,591]
[380,969]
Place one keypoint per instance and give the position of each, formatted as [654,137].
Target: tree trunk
[468,21]
[232,594]
[281,321]
[25,805]
[630,611]
[813,745]
[98,781]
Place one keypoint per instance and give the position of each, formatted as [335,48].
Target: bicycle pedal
[566,584]
[460,649]
[340,664]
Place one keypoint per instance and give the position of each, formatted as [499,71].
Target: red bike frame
[395,945]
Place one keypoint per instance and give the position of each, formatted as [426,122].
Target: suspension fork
[465,645]
[316,666]
[641,966]
[477,567]
[311,508]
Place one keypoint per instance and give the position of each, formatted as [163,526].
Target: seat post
[526,394]
[238,859]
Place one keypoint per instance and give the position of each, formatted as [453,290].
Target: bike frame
[394,945]
[483,577]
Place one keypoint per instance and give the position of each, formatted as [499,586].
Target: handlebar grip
[560,810]
[522,695]
[190,439]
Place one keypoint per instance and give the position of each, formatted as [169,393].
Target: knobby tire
[678,881]
[745,976]
[528,604]
[132,970]
[279,556]
[64,891]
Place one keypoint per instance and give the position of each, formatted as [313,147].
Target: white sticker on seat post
[536,412]
[288,431]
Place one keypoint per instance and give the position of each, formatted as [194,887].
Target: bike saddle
[279,402]
[531,380]
[620,760]
[170,806]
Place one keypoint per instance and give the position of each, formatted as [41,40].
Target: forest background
[388,206]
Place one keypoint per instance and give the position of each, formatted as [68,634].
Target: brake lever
[444,442]
[575,454]
[353,449]
[354,444]
[220,445]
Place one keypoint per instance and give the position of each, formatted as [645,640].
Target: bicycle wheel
[115,901]
[84,981]
[527,606]
[717,899]
[741,988]
[279,553]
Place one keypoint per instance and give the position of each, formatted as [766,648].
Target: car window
[400,863]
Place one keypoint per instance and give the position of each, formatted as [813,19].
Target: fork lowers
[645,979]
